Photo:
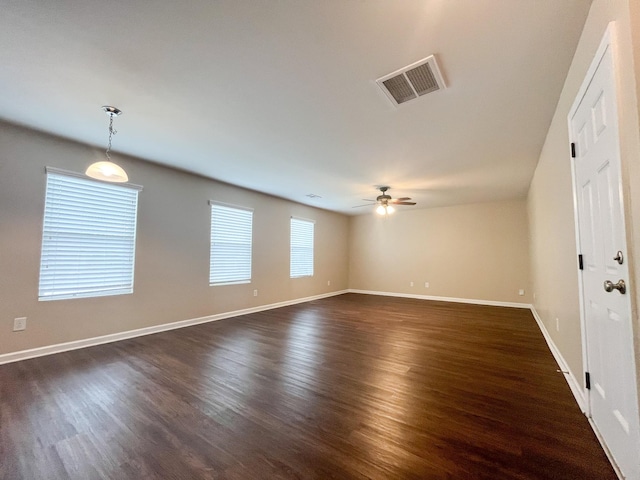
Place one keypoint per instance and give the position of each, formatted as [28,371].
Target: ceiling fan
[385,202]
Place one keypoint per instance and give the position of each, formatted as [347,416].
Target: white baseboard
[444,299]
[574,385]
[114,337]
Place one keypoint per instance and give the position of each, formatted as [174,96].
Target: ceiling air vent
[413,81]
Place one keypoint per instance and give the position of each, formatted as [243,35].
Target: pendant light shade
[106,170]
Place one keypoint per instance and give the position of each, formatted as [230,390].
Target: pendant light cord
[112,132]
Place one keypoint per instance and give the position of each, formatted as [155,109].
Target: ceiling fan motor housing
[384,198]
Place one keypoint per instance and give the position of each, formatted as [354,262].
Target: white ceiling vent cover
[413,81]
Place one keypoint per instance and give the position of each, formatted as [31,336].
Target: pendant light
[107,170]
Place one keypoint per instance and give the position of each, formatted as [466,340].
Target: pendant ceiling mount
[109,110]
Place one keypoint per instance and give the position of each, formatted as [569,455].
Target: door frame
[607,42]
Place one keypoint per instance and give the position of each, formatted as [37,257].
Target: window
[301,248]
[88,237]
[231,239]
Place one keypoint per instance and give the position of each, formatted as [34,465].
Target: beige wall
[471,251]
[172,249]
[550,201]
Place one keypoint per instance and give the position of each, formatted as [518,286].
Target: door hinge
[587,380]
[573,150]
[580,264]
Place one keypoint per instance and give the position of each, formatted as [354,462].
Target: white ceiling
[279,96]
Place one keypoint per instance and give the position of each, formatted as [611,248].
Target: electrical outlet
[255,293]
[521,292]
[426,284]
[557,324]
[534,295]
[19,324]
[328,283]
[411,284]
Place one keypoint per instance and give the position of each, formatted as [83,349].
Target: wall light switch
[557,324]
[521,292]
[328,282]
[255,293]
[426,284]
[19,324]
[411,284]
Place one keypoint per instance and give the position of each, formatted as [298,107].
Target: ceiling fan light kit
[107,170]
[385,210]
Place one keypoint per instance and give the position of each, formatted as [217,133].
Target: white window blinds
[301,248]
[231,240]
[88,238]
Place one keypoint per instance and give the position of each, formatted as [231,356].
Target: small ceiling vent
[413,81]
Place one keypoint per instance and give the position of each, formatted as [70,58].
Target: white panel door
[607,314]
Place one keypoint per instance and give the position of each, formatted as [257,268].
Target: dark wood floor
[350,387]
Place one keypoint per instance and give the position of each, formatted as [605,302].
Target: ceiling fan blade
[404,203]
[365,205]
[368,200]
[401,199]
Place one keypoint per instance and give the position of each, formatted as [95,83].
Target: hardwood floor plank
[348,387]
